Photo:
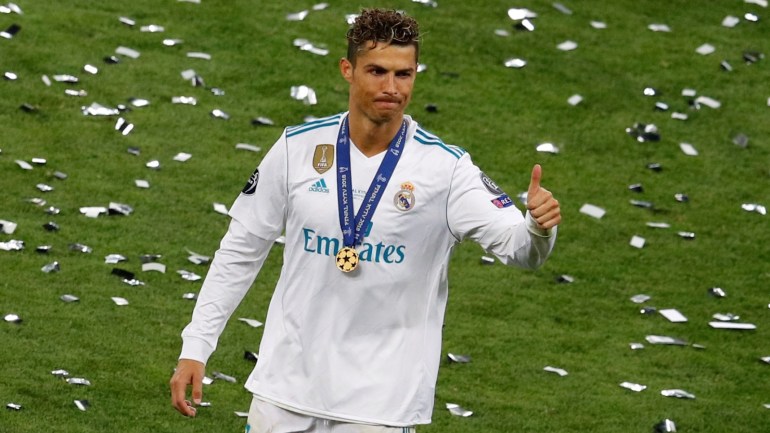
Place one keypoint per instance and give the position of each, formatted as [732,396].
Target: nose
[390,84]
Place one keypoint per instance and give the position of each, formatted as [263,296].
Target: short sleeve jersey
[363,346]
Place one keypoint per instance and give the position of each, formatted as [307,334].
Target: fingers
[547,216]
[188,372]
[534,183]
[197,388]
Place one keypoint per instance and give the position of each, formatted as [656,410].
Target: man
[371,205]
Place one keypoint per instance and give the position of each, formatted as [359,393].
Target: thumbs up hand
[543,208]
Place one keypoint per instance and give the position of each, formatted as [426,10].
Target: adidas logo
[319,186]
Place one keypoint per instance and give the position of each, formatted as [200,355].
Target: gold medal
[347,259]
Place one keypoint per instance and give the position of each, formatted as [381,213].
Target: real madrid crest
[404,199]
[323,158]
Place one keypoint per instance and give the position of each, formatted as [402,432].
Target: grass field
[512,323]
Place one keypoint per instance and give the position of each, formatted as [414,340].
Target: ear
[346,69]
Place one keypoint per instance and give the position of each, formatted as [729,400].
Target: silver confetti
[23,164]
[567,46]
[457,410]
[128,52]
[189,276]
[187,100]
[7,227]
[547,148]
[219,114]
[80,248]
[199,55]
[678,393]
[518,14]
[592,210]
[563,9]
[305,94]
[633,386]
[96,109]
[197,259]
[298,16]
[222,376]
[637,241]
[305,45]
[726,317]
[120,209]
[460,359]
[665,426]
[705,49]
[51,267]
[559,371]
[157,267]
[12,245]
[515,63]
[754,207]
[69,298]
[251,322]
[123,126]
[12,318]
[733,325]
[79,381]
[659,28]
[658,225]
[660,339]
[182,157]
[717,292]
[152,28]
[575,100]
[220,208]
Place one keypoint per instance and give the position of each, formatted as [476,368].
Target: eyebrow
[378,66]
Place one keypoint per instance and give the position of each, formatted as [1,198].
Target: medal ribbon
[353,226]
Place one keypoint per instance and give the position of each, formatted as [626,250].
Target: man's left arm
[481,211]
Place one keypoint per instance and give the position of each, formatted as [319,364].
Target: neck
[371,137]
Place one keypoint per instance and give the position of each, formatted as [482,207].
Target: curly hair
[379,25]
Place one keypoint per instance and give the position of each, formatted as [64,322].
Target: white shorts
[269,418]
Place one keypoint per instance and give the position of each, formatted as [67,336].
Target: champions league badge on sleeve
[404,199]
[251,185]
[490,184]
[323,158]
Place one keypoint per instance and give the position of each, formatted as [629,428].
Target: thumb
[534,183]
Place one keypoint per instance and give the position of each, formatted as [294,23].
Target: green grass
[513,323]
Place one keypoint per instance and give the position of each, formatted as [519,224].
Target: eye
[378,71]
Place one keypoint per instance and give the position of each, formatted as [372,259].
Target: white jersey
[363,346]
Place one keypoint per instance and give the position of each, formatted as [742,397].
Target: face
[381,81]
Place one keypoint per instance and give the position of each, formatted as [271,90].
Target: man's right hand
[188,372]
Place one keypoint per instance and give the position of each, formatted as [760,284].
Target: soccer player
[371,205]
